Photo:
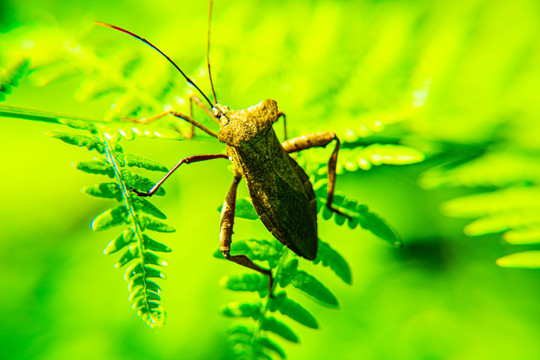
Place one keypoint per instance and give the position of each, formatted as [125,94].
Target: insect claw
[139,193]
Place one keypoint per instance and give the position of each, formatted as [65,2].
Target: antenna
[162,53]
[210,6]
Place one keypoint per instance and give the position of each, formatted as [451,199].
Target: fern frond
[364,158]
[329,257]
[355,156]
[513,211]
[358,214]
[123,129]
[252,341]
[137,216]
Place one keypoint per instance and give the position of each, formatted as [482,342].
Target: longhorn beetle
[279,188]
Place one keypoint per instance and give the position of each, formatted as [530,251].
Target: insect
[279,188]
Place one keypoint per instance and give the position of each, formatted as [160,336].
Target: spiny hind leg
[320,139]
[226,231]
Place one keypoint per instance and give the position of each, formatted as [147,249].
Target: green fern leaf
[293,310]
[140,270]
[91,143]
[246,282]
[241,330]
[139,283]
[152,259]
[524,236]
[140,162]
[262,355]
[131,131]
[262,250]
[118,129]
[138,293]
[95,167]
[109,190]
[359,215]
[513,210]
[277,327]
[154,245]
[307,283]
[10,77]
[364,158]
[144,293]
[151,223]
[288,272]
[377,226]
[314,288]
[121,241]
[111,218]
[139,182]
[236,309]
[331,258]
[79,124]
[525,259]
[130,254]
[272,346]
[138,296]
[140,203]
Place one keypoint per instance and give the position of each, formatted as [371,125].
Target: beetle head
[241,126]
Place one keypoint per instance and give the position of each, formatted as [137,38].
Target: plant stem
[277,278]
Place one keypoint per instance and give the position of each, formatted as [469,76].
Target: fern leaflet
[137,215]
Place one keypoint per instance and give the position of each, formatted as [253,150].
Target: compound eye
[217,112]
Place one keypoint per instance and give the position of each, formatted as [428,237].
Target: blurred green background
[433,73]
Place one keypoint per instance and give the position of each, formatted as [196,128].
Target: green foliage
[134,214]
[121,73]
[253,342]
[394,80]
[364,155]
[526,259]
[10,76]
[508,201]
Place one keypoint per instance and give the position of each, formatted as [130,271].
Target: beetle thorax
[241,126]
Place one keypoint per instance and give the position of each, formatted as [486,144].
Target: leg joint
[226,253]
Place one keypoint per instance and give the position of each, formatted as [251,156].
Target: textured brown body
[279,188]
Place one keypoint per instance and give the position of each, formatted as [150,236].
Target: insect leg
[320,139]
[186,160]
[226,231]
[195,100]
[282,114]
[189,119]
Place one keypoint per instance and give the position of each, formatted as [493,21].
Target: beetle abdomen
[281,193]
